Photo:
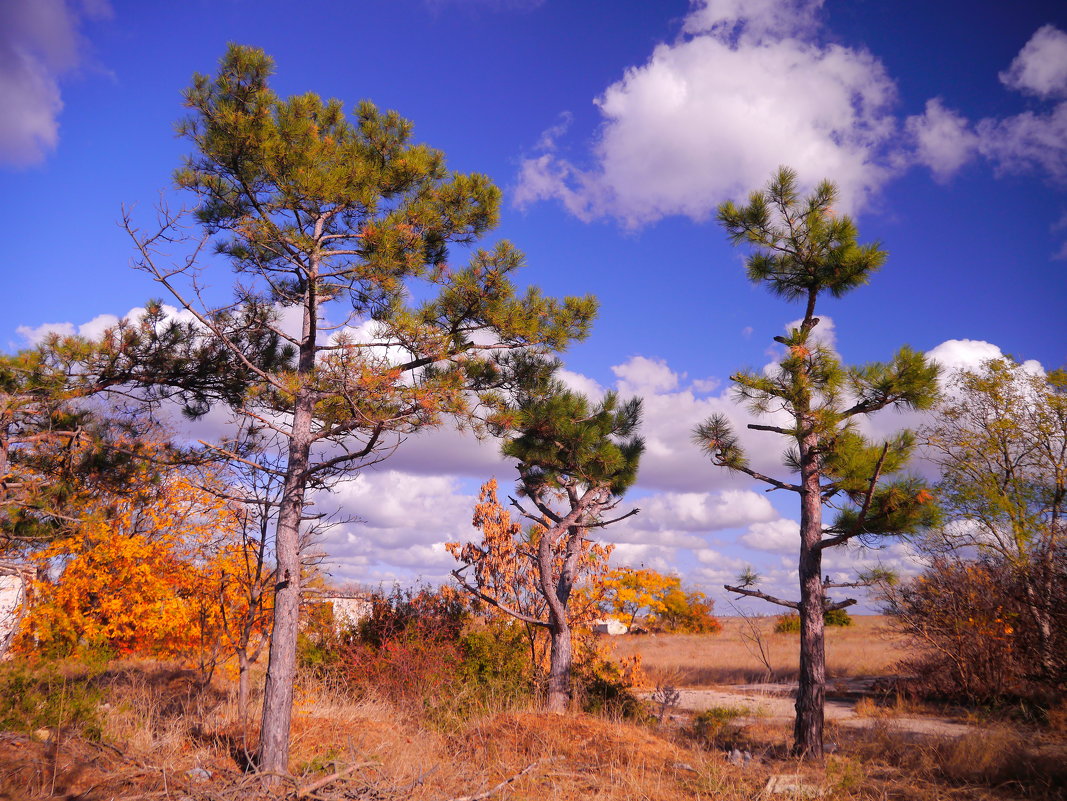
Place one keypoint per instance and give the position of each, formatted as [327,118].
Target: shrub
[837,617]
[36,694]
[688,612]
[978,643]
[496,660]
[790,623]
[709,725]
[787,624]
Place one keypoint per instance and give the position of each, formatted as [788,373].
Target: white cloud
[704,511]
[684,519]
[747,87]
[642,375]
[35,335]
[969,354]
[1041,66]
[1030,142]
[942,138]
[1027,142]
[671,410]
[581,383]
[39,44]
[755,19]
[780,536]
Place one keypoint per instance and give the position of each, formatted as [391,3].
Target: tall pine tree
[336,223]
[800,250]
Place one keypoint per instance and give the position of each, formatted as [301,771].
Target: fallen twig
[318,784]
[497,788]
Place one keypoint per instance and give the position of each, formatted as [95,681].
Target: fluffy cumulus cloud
[746,87]
[970,354]
[1041,66]
[943,139]
[39,44]
[1032,141]
[779,536]
[35,335]
[749,85]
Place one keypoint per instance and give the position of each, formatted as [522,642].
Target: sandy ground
[773,703]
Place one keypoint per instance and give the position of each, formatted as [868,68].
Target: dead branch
[496,788]
[310,789]
[763,595]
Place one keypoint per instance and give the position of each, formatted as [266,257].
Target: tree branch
[533,621]
[763,595]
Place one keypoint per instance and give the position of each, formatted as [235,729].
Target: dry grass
[159,724]
[866,648]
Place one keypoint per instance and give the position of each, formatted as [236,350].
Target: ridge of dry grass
[158,725]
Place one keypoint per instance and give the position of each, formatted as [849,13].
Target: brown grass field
[165,737]
[160,733]
[866,648]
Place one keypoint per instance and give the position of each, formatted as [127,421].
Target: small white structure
[13,581]
[609,626]
[349,609]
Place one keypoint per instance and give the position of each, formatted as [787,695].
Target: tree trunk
[811,687]
[1038,604]
[560,662]
[242,687]
[281,666]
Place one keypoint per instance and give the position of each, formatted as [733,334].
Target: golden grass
[866,648]
[159,724]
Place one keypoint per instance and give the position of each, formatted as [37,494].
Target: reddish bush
[978,643]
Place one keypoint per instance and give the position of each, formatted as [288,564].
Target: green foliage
[790,623]
[823,256]
[787,624]
[837,617]
[710,724]
[800,249]
[1000,440]
[37,694]
[562,440]
[496,661]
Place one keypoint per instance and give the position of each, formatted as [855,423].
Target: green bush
[496,661]
[787,624]
[837,617]
[790,624]
[708,726]
[37,694]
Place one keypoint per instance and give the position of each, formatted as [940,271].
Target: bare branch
[496,788]
[763,595]
[489,599]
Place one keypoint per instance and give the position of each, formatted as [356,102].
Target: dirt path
[773,703]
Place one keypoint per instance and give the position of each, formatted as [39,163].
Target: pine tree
[575,462]
[340,222]
[800,250]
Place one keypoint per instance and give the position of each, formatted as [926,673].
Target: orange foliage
[149,577]
[505,563]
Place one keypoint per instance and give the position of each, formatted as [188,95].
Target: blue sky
[614,129]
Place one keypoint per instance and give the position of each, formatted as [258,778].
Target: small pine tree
[575,461]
